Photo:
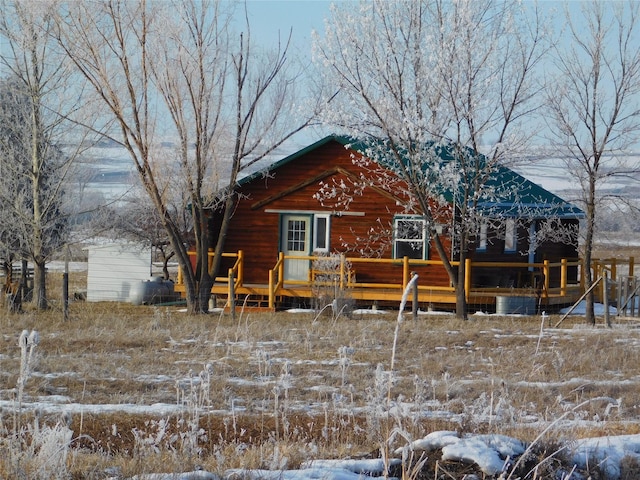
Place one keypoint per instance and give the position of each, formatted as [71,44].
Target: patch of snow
[326,473]
[196,475]
[581,309]
[369,311]
[374,466]
[490,452]
[607,453]
[301,310]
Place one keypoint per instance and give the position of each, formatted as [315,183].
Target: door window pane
[296,235]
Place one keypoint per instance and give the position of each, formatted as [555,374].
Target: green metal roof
[531,199]
[274,166]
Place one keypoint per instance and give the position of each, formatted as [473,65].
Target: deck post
[405,272]
[272,296]
[614,275]
[547,276]
[240,267]
[605,299]
[467,279]
[232,294]
[281,267]
[563,277]
[210,254]
[342,260]
[631,266]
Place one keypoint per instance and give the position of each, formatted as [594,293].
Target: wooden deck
[257,296]
[279,293]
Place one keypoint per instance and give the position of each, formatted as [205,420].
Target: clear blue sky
[270,17]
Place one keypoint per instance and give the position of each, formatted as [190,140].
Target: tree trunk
[222,236]
[204,280]
[38,253]
[456,276]
[461,295]
[589,315]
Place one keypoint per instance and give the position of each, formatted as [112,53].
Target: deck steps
[247,309]
[247,302]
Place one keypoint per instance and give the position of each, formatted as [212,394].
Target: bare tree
[593,108]
[40,99]
[432,80]
[221,103]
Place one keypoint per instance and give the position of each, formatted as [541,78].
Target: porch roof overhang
[530,209]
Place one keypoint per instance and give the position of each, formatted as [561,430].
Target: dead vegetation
[298,386]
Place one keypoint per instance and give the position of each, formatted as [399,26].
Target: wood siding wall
[257,231]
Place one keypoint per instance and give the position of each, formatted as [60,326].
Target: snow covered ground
[494,454]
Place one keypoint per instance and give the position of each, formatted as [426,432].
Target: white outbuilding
[114,268]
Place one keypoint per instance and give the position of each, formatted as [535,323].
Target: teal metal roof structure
[519,196]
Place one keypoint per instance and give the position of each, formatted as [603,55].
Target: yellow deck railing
[349,267]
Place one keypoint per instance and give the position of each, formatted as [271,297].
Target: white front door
[296,241]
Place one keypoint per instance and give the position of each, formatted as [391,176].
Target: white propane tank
[149,292]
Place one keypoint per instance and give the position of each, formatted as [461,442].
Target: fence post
[563,277]
[65,293]
[634,285]
[65,286]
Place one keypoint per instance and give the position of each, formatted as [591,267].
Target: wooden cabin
[281,232]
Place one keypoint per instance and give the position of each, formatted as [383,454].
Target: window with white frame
[321,232]
[510,235]
[410,237]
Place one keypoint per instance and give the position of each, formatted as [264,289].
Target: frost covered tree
[593,109]
[175,71]
[135,218]
[431,78]
[39,98]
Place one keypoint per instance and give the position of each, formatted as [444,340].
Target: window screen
[410,238]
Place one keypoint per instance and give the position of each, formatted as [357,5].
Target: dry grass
[283,390]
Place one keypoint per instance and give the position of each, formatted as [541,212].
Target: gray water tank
[515,304]
[150,292]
